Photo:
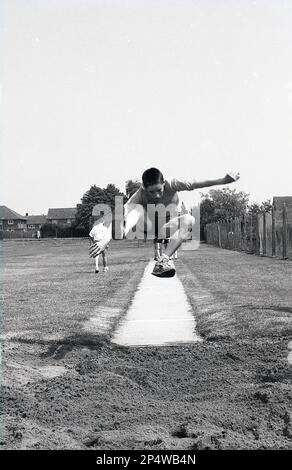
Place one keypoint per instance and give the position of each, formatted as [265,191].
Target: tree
[49,230]
[256,208]
[93,196]
[220,204]
[131,187]
[267,206]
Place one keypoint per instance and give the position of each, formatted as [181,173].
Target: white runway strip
[160,314]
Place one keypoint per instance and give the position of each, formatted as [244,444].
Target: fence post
[264,235]
[284,233]
[250,234]
[273,232]
[228,234]
[244,233]
[215,234]
[257,247]
[238,233]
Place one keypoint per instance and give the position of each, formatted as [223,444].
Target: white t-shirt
[98,232]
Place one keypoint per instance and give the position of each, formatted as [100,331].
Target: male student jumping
[155,191]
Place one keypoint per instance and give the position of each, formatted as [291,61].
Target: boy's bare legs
[96,264]
[157,250]
[180,230]
[184,225]
[166,242]
[104,260]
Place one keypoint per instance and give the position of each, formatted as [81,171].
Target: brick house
[62,217]
[11,221]
[35,222]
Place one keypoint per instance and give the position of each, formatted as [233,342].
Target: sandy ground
[65,385]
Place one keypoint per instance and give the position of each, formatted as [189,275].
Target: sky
[96,91]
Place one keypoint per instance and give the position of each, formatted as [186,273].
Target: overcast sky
[96,91]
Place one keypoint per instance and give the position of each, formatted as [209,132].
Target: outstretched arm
[228,178]
[189,186]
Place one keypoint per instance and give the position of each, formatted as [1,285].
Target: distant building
[11,221]
[62,217]
[14,225]
[34,223]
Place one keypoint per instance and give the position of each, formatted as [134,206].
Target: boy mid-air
[155,191]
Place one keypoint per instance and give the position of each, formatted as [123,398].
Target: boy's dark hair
[152,176]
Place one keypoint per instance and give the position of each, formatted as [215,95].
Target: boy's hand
[97,248]
[231,177]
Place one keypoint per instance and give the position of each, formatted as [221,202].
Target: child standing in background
[98,233]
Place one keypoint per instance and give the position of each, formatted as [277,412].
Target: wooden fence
[18,234]
[263,234]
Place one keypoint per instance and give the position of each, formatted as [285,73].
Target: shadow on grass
[83,272]
[135,261]
[58,349]
[275,308]
[273,374]
[116,263]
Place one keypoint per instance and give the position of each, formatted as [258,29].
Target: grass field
[65,386]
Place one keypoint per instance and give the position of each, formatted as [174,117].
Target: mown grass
[50,287]
[237,295]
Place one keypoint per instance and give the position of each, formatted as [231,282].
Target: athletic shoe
[96,271]
[164,267]
[105,269]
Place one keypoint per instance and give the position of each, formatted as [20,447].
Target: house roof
[36,219]
[9,214]
[62,213]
